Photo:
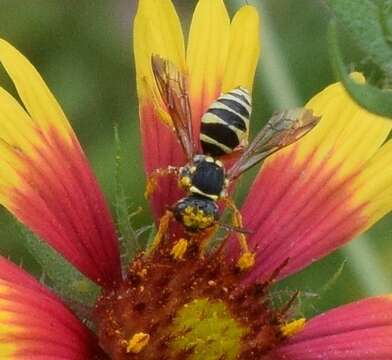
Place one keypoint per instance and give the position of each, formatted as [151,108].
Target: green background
[83,50]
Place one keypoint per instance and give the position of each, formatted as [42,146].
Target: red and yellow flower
[172,303]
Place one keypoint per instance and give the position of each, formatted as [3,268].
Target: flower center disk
[186,307]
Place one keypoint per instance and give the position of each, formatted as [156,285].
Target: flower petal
[362,330]
[35,95]
[244,49]
[374,184]
[306,200]
[157,30]
[45,180]
[207,54]
[35,324]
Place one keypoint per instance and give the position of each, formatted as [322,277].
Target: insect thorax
[225,125]
[204,177]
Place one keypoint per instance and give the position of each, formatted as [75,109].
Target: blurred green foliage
[368,23]
[83,50]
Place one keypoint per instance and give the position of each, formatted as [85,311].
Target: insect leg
[152,181]
[247,259]
[164,224]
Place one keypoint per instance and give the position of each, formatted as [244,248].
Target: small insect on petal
[293,327]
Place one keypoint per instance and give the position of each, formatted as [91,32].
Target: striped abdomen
[225,125]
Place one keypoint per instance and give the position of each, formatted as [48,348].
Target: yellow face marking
[196,218]
[209,159]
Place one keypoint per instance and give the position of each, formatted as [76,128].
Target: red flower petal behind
[35,324]
[61,202]
[160,149]
[362,330]
[314,196]
[302,214]
[45,179]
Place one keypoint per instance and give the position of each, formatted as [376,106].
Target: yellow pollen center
[246,261]
[293,327]
[137,342]
[179,249]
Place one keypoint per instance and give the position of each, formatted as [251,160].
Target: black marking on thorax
[208,178]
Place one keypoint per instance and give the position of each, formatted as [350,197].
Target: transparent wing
[281,130]
[172,87]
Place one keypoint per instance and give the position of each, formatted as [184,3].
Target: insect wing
[171,83]
[281,130]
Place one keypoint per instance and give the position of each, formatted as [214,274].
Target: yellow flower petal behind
[157,31]
[348,135]
[375,184]
[35,95]
[207,53]
[11,168]
[244,49]
[16,127]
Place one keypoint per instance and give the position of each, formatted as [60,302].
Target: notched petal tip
[38,100]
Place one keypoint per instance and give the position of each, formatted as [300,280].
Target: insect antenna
[232,228]
[286,307]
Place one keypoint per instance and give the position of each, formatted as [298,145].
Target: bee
[224,130]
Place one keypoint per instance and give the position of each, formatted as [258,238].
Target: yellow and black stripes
[225,125]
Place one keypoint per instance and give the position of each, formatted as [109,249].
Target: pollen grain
[179,249]
[137,342]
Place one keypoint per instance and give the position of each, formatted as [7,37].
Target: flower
[176,301]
